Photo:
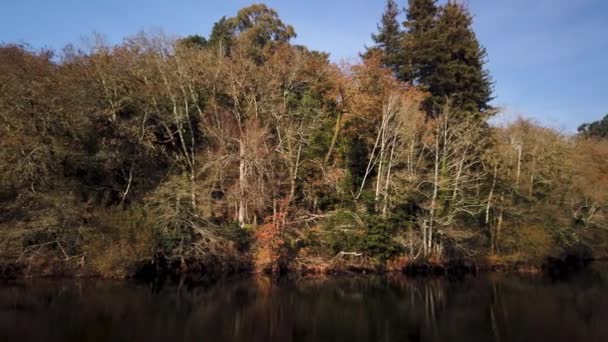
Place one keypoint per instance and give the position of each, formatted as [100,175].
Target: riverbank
[198,271]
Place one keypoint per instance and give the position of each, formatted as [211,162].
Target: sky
[548,58]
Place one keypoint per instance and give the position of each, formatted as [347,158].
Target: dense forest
[244,151]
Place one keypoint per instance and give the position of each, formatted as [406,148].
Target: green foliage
[193,42]
[459,72]
[388,40]
[419,43]
[443,55]
[262,25]
[596,129]
[371,235]
[344,232]
[241,237]
[379,241]
[176,220]
[357,160]
[257,26]
[221,34]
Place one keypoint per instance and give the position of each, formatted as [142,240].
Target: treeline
[243,150]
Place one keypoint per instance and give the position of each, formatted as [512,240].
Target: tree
[442,55]
[526,213]
[261,25]
[597,129]
[221,34]
[257,27]
[418,42]
[459,73]
[589,193]
[388,39]
[193,41]
[453,180]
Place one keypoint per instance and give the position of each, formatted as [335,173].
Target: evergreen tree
[442,54]
[418,44]
[596,129]
[459,71]
[388,39]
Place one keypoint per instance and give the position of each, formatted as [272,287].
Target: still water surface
[483,308]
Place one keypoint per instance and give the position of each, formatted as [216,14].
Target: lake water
[394,308]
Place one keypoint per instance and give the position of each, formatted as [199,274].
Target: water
[483,308]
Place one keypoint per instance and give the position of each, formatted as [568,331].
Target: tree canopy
[243,151]
[597,129]
[388,39]
[437,50]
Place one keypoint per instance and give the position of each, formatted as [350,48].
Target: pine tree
[459,70]
[421,15]
[418,43]
[442,54]
[388,39]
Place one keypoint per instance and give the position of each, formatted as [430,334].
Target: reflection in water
[395,308]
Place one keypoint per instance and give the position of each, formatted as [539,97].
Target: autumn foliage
[243,151]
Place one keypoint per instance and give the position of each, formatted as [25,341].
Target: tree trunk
[489,204]
[333,139]
[241,204]
[435,192]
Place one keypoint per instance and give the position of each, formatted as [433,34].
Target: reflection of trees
[334,309]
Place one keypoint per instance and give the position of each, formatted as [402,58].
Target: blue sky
[548,58]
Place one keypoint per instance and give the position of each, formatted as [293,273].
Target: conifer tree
[388,39]
[459,70]
[418,44]
[442,54]
[596,129]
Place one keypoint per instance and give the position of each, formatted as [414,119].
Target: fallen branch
[343,254]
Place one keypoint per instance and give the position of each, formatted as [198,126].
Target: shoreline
[148,271]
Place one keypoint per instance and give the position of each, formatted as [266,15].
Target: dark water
[484,308]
